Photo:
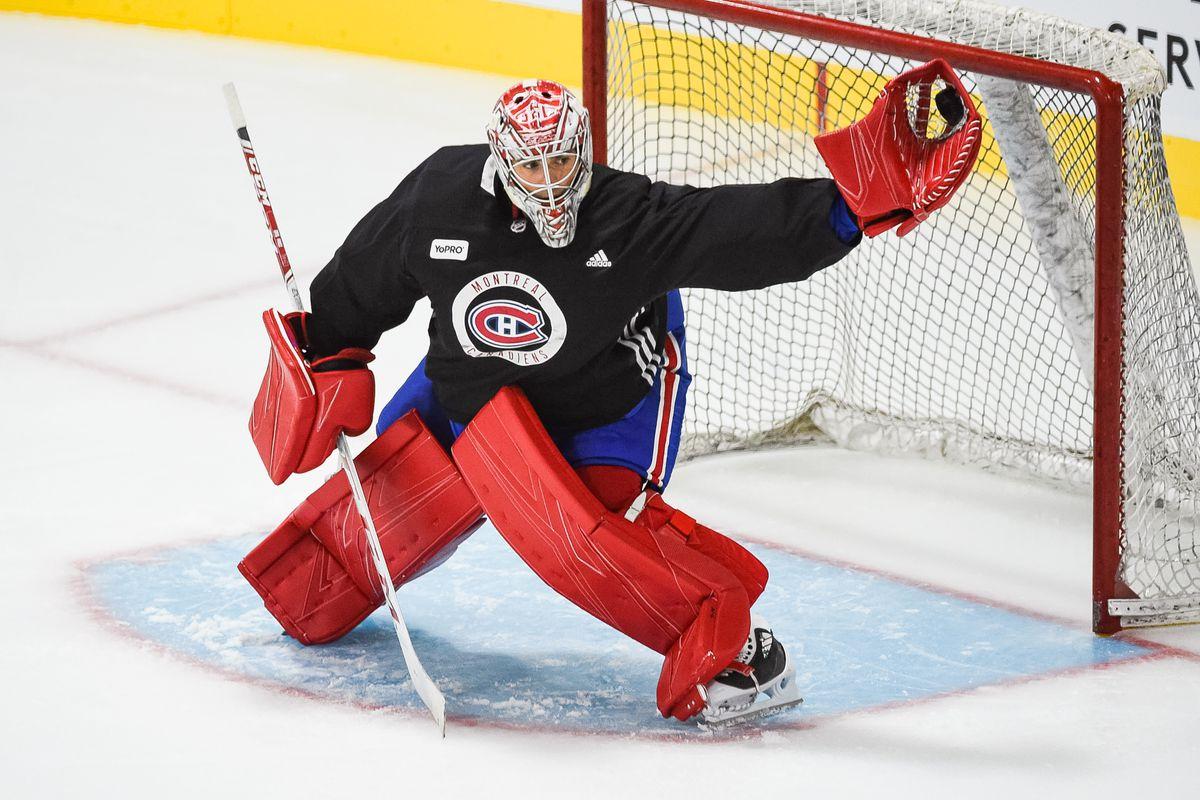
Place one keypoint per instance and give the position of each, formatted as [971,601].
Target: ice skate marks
[508,651]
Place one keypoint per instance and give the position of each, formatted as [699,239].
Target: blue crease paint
[506,649]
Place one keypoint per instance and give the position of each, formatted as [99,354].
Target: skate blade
[756,711]
[787,696]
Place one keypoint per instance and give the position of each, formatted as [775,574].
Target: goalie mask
[542,148]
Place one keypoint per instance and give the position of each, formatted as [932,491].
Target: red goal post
[694,82]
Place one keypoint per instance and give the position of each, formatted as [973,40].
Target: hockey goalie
[554,389]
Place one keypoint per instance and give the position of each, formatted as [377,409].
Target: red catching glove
[908,156]
[301,407]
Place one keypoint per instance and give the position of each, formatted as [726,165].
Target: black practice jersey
[579,328]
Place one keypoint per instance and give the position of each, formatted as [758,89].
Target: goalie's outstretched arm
[735,238]
[891,169]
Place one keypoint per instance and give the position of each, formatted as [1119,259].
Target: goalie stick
[430,695]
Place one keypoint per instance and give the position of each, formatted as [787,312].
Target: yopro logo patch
[451,249]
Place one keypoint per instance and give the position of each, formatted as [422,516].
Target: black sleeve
[738,237]
[365,290]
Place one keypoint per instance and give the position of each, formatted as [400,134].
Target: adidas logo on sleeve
[599,260]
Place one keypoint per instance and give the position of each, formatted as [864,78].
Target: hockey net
[1046,322]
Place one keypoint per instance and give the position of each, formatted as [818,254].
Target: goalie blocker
[301,407]
[653,573]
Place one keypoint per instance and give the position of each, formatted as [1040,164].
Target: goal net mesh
[970,339]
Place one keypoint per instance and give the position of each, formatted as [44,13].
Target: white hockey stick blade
[426,689]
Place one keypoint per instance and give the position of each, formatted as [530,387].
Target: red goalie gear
[676,587]
[912,151]
[299,410]
[620,490]
[314,572]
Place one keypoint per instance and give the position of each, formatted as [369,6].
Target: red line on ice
[148,313]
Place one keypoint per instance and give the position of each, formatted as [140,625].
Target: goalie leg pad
[657,515]
[648,584]
[314,572]
[621,489]
[303,586]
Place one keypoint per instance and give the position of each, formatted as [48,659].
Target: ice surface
[510,653]
[134,265]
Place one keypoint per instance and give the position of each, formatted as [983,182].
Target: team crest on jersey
[508,325]
[508,315]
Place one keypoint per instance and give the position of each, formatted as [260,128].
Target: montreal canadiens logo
[508,315]
[507,325]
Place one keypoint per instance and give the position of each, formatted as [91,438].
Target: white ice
[134,264]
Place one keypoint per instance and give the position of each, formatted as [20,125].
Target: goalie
[553,392]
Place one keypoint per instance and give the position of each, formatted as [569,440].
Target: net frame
[1108,92]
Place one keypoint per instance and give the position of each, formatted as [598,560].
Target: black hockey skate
[761,681]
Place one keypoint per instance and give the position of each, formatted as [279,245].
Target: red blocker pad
[314,571]
[286,403]
[646,583]
[298,413]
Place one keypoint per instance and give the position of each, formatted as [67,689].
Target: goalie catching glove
[301,407]
[908,156]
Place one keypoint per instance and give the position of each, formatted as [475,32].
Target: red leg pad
[647,584]
[314,571]
[618,488]
[750,572]
[304,587]
[614,487]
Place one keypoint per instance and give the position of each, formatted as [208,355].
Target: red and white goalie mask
[542,148]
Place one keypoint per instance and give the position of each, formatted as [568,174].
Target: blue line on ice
[506,649]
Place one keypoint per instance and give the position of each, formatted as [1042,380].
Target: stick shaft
[260,190]
[424,685]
